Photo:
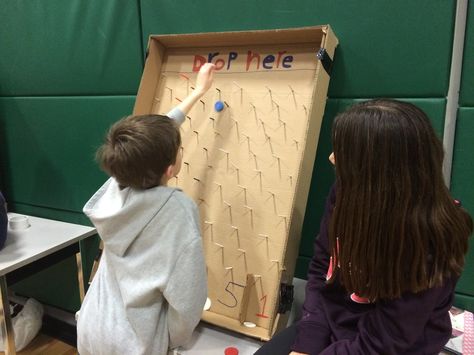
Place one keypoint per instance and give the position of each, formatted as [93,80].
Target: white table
[26,251]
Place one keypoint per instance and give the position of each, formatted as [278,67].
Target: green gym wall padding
[461,186]
[464,301]
[466,95]
[73,47]
[386,48]
[49,145]
[56,286]
[61,49]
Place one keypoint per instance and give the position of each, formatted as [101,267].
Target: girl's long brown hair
[394,227]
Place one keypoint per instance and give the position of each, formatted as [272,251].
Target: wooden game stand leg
[245,298]
[95,266]
[80,276]
[6,320]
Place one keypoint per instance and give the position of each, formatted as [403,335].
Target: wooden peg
[210,224]
[230,211]
[207,155]
[227,156]
[196,179]
[254,112]
[279,164]
[278,110]
[236,231]
[231,270]
[222,250]
[269,139]
[237,128]
[305,110]
[219,93]
[274,201]
[263,126]
[178,99]
[197,136]
[296,143]
[237,172]
[285,219]
[294,96]
[250,209]
[277,262]
[291,180]
[203,105]
[187,166]
[241,92]
[255,160]
[248,141]
[243,253]
[171,93]
[220,190]
[225,103]
[245,192]
[283,123]
[190,123]
[259,173]
[213,121]
[271,95]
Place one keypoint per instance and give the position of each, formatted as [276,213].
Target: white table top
[43,237]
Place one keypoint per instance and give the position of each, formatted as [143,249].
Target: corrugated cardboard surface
[249,166]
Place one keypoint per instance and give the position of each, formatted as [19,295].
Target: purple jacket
[333,323]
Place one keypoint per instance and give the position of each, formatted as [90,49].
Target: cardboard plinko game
[248,152]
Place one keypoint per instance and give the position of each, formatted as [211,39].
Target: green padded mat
[72,47]
[466,95]
[386,48]
[47,156]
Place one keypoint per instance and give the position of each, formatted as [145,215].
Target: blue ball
[219,106]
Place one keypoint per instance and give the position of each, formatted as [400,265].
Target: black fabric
[279,344]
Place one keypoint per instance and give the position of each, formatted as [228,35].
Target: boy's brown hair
[138,150]
[395,227]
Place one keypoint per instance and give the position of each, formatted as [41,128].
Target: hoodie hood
[120,215]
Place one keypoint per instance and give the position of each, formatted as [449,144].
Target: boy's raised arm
[203,83]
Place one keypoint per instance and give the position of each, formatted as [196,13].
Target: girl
[391,245]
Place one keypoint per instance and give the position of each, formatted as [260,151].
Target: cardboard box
[248,166]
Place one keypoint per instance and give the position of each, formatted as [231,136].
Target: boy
[149,290]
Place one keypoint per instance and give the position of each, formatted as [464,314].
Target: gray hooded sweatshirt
[149,290]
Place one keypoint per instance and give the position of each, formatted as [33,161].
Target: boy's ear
[169,173]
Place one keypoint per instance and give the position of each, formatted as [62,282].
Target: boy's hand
[204,78]
[203,83]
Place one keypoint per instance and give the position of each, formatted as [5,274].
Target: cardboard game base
[248,152]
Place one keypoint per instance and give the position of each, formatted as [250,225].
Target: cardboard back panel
[248,163]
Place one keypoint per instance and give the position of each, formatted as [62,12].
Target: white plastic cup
[19,222]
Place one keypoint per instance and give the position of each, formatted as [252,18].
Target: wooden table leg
[5,318]
[80,276]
